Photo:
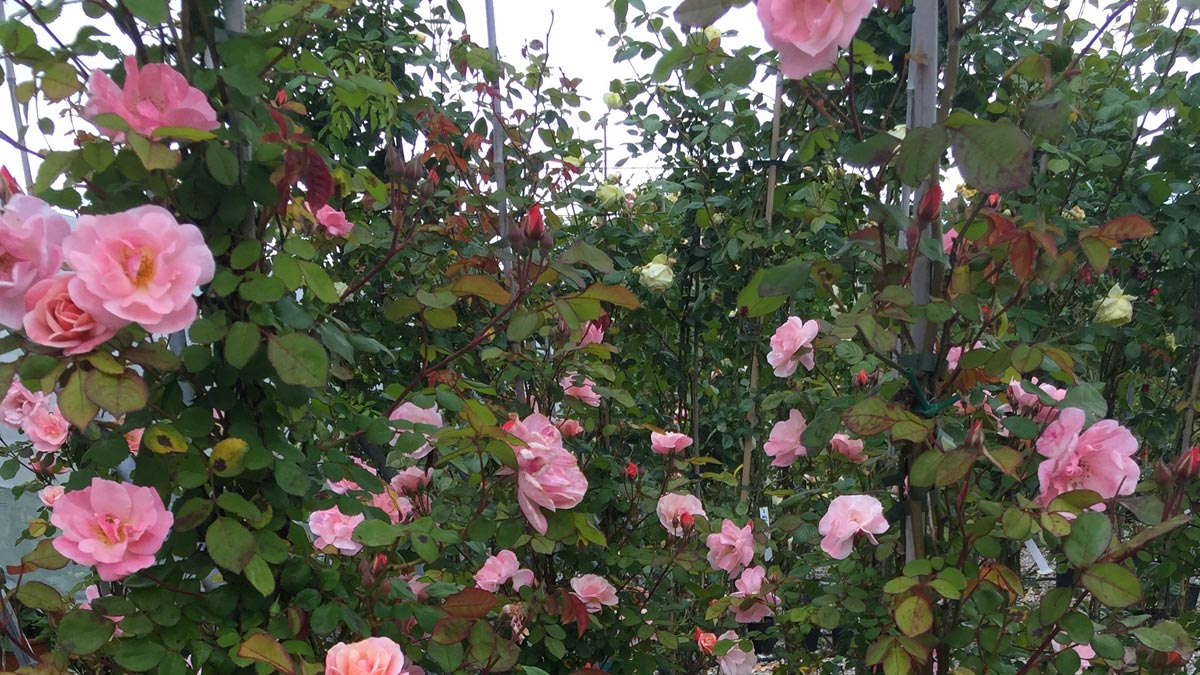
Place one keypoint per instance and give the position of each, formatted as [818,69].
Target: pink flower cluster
[1099,458]
[791,345]
[34,413]
[548,475]
[500,569]
[847,517]
[750,588]
[153,97]
[116,527]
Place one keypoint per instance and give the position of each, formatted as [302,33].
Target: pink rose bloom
[345,485]
[736,661]
[154,97]
[1028,404]
[1099,459]
[335,530]
[332,220]
[116,527]
[46,428]
[50,494]
[808,33]
[399,509]
[19,403]
[784,442]
[31,235]
[594,592]
[415,414]
[500,569]
[138,265]
[133,438]
[570,427]
[749,585]
[732,548]
[847,516]
[582,391]
[791,345]
[548,475]
[955,353]
[669,443]
[411,480]
[671,508]
[948,238]
[852,448]
[706,641]
[54,320]
[418,588]
[1086,654]
[372,656]
[592,334]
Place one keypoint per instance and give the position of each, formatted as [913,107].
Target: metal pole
[11,79]
[497,133]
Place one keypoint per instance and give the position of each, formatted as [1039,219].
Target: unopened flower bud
[534,223]
[992,201]
[393,162]
[861,379]
[687,520]
[931,204]
[974,439]
[712,34]
[631,471]
[1187,466]
[546,242]
[613,100]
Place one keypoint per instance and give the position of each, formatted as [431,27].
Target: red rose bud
[861,379]
[8,185]
[631,471]
[687,520]
[931,204]
[992,201]
[1187,466]
[535,225]
[975,435]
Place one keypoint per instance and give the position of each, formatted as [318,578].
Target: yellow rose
[1115,309]
[657,276]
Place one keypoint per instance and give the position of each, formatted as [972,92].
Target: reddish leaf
[1124,228]
[266,649]
[451,630]
[573,610]
[470,603]
[317,179]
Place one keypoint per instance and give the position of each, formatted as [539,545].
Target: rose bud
[687,520]
[931,204]
[992,201]
[534,223]
[861,379]
[1187,466]
[631,471]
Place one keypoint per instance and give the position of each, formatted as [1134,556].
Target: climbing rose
[138,265]
[116,527]
[736,661]
[791,345]
[1098,459]
[332,220]
[570,427]
[706,641]
[732,548]
[31,235]
[582,391]
[1115,309]
[46,428]
[18,404]
[657,276]
[1027,403]
[669,443]
[334,530]
[749,585]
[152,98]
[592,333]
[411,480]
[852,448]
[672,508]
[372,656]
[784,445]
[415,414]
[500,569]
[847,516]
[808,33]
[50,494]
[594,592]
[54,320]
[548,475]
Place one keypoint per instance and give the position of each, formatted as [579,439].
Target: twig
[18,145]
[38,20]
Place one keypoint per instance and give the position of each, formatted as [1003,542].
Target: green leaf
[482,287]
[82,632]
[241,343]
[668,62]
[993,156]
[784,279]
[874,151]
[74,403]
[43,557]
[753,303]
[617,295]
[152,12]
[139,654]
[582,252]
[154,155]
[1048,116]
[1090,536]
[230,544]
[192,513]
[377,533]
[1112,584]
[37,595]
[469,603]
[1087,398]
[299,359]
[222,165]
[118,394]
[60,81]
[54,164]
[522,325]
[920,155]
[265,649]
[1021,427]
[701,13]
[259,574]
[318,281]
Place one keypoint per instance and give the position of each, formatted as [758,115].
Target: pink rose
[548,475]
[594,592]
[345,485]
[671,510]
[54,320]
[153,97]
[732,548]
[791,345]
[411,480]
[50,494]
[749,585]
[1030,405]
[419,588]
[1086,654]
[19,403]
[852,448]
[808,33]
[335,530]
[736,661]
[847,516]
[91,594]
[139,265]
[399,509]
[592,333]
[372,656]
[500,569]
[116,527]
[570,427]
[1099,459]
[669,443]
[31,235]
[133,438]
[706,641]
[46,428]
[955,353]
[415,414]
[784,445]
[332,220]
[582,391]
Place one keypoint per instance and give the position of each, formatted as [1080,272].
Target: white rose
[613,100]
[608,197]
[712,33]
[1115,309]
[658,276]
